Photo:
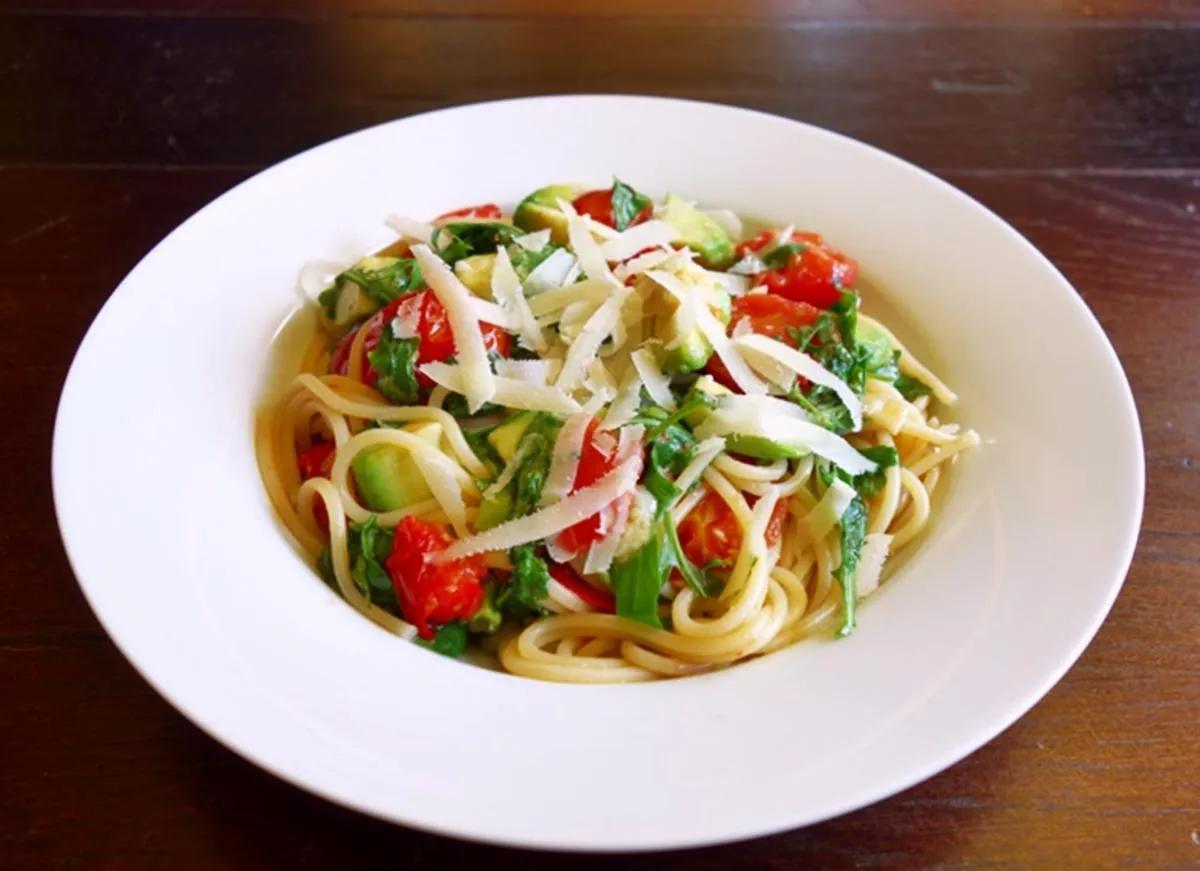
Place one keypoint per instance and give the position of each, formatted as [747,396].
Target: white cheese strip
[479,383]
[591,292]
[555,271]
[600,556]
[564,461]
[509,392]
[870,563]
[591,260]
[537,372]
[586,345]
[489,312]
[552,520]
[734,285]
[827,513]
[641,263]
[657,384]
[651,234]
[751,264]
[784,423]
[535,241]
[409,228]
[739,370]
[625,406]
[755,347]
[506,288]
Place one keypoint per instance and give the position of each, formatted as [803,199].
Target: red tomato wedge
[430,595]
[485,211]
[815,274]
[769,315]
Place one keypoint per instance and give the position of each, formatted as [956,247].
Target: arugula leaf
[383,285]
[370,545]
[522,596]
[910,388]
[636,580]
[671,449]
[451,639]
[524,262]
[869,483]
[854,530]
[395,360]
[327,299]
[456,406]
[626,203]
[699,578]
[779,257]
[458,239]
[824,407]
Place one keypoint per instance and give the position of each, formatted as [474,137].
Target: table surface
[1078,123]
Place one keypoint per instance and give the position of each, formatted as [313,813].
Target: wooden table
[1079,124]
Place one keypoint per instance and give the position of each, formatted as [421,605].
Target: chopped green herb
[854,530]
[626,204]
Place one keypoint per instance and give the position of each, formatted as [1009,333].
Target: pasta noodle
[759,536]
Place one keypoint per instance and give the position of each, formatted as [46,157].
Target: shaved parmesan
[549,521]
[535,241]
[479,385]
[751,264]
[600,556]
[657,384]
[490,313]
[591,260]
[870,563]
[827,513]
[651,234]
[554,271]
[509,392]
[641,263]
[783,423]
[594,292]
[739,370]
[410,229]
[625,406]
[755,347]
[706,451]
[537,372]
[586,345]
[734,285]
[506,288]
[564,462]
[407,322]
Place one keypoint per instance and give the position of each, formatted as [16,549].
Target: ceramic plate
[179,554]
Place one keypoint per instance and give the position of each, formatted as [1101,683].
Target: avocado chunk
[699,232]
[494,510]
[762,448]
[705,386]
[539,211]
[690,350]
[476,273]
[506,437]
[387,478]
[488,618]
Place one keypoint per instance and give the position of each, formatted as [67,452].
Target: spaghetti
[602,440]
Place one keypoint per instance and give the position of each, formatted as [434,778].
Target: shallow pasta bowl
[178,552]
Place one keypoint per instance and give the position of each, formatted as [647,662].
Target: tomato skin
[598,206]
[436,341]
[432,594]
[769,315]
[594,464]
[599,599]
[815,276]
[317,461]
[485,211]
[711,532]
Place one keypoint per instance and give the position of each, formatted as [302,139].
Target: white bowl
[176,548]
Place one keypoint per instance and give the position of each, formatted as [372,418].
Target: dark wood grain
[246,90]
[111,136]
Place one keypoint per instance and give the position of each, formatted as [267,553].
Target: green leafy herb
[854,530]
[910,388]
[699,578]
[626,204]
[395,361]
[456,406]
[524,262]
[327,299]
[370,545]
[869,483]
[458,239]
[636,580]
[522,596]
[385,284]
[671,449]
[780,256]
[450,640]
